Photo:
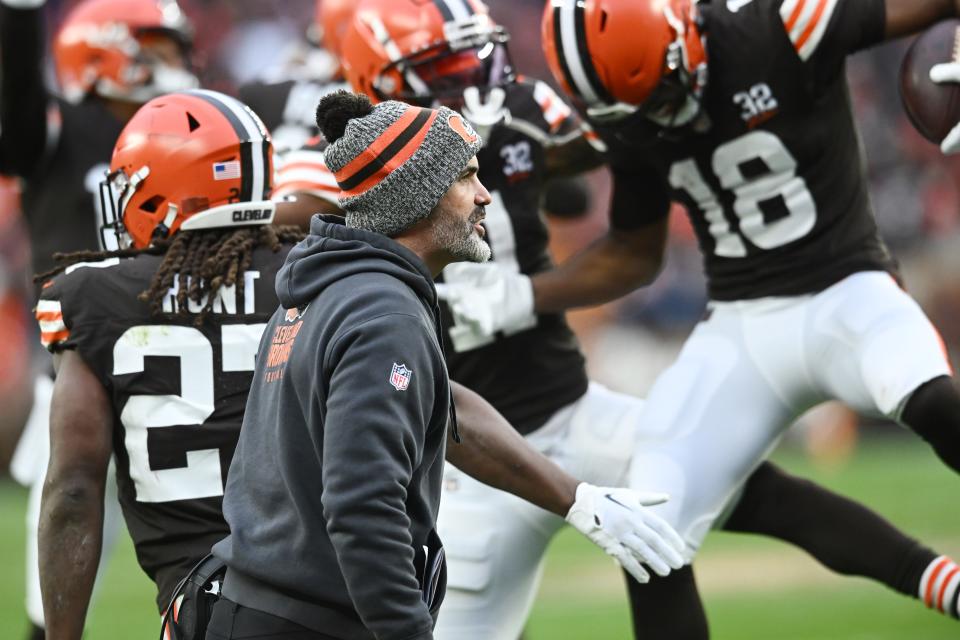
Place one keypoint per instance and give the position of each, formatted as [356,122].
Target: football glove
[942,74]
[488,298]
[23,4]
[617,521]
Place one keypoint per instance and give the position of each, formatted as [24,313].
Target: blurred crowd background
[914,191]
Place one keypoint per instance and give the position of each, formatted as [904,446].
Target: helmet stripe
[570,31]
[454,9]
[254,160]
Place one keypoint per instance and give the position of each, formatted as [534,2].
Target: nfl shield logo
[400,376]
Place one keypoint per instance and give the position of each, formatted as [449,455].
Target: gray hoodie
[333,492]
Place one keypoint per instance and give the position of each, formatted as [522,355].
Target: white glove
[23,4]
[942,74]
[617,522]
[488,297]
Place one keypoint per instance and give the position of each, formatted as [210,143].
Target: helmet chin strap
[485,114]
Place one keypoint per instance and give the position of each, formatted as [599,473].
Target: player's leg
[709,420]
[841,534]
[877,351]
[667,607]
[494,544]
[933,411]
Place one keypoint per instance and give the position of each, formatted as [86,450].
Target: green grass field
[753,588]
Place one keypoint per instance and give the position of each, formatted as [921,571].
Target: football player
[740,111]
[532,369]
[111,56]
[154,345]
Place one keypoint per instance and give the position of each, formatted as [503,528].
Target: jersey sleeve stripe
[52,337]
[49,316]
[806,22]
[302,170]
[555,110]
[310,188]
[52,326]
[49,305]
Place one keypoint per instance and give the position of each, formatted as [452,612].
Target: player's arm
[71,510]
[23,96]
[573,156]
[494,453]
[905,17]
[627,257]
[304,186]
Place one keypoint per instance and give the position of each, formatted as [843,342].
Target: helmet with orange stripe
[183,154]
[428,52]
[621,57]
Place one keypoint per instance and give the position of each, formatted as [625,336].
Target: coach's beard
[461,238]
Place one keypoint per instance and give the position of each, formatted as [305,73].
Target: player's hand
[617,521]
[24,4]
[488,297]
[941,74]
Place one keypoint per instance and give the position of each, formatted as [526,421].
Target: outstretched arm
[614,519]
[613,266]
[905,17]
[71,510]
[494,453]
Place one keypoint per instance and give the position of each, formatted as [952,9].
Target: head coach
[333,492]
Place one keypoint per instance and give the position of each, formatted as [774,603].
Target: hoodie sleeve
[380,401]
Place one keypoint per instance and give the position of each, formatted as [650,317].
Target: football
[933,108]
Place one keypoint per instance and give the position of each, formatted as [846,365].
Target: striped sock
[940,586]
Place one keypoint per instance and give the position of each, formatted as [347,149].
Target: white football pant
[752,367]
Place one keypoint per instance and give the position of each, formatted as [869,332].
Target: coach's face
[455,221]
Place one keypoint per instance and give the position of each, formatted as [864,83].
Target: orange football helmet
[99,49]
[623,56]
[332,18]
[423,52]
[182,154]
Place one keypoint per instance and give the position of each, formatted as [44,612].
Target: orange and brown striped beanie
[393,161]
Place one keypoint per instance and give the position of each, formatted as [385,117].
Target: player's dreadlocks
[202,261]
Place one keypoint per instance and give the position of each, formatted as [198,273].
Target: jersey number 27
[201,477]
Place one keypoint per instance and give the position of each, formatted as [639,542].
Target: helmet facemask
[473,56]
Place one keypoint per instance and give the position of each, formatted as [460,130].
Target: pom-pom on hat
[393,161]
